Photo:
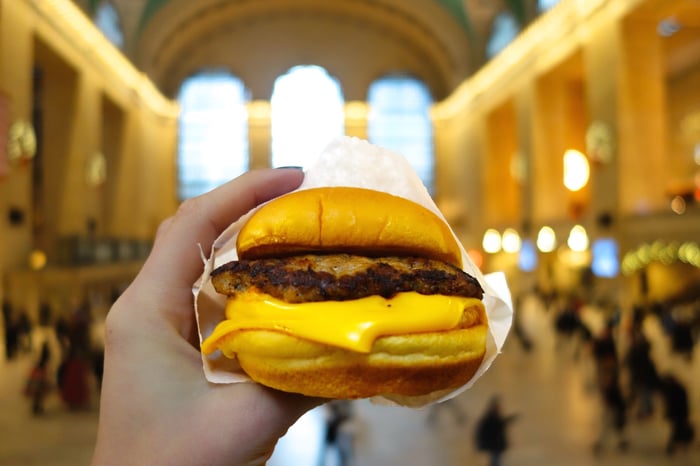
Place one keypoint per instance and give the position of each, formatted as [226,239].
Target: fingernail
[290,167]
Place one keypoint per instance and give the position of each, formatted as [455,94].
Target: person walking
[38,384]
[339,412]
[675,398]
[491,431]
[644,379]
[613,405]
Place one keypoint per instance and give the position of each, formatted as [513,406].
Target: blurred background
[561,139]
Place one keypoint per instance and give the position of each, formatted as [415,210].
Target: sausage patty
[342,277]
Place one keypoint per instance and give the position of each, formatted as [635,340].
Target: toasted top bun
[347,219]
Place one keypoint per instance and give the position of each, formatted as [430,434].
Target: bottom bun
[401,365]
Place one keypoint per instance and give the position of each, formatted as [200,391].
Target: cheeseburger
[345,292]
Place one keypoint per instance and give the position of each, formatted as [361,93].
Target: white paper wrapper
[351,162]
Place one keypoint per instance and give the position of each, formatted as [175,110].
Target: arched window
[505,29]
[399,120]
[213,143]
[107,20]
[307,113]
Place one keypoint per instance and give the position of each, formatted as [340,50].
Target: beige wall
[538,98]
[92,101]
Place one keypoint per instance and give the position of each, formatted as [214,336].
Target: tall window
[399,120]
[107,20]
[213,144]
[307,113]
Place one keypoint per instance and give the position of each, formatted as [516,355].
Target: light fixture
[578,239]
[21,142]
[600,142]
[37,259]
[96,170]
[492,241]
[546,239]
[510,241]
[576,170]
[678,205]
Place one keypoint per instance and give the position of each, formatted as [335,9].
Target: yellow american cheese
[353,324]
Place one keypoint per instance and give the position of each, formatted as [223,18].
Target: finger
[175,261]
[268,414]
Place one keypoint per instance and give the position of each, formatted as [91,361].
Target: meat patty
[341,277]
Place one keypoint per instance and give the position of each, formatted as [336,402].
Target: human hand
[157,408]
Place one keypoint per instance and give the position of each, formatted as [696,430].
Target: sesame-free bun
[314,353]
[348,219]
[407,365]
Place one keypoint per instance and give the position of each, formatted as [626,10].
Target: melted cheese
[353,325]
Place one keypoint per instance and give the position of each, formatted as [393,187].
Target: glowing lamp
[510,242]
[37,259]
[492,241]
[578,239]
[576,170]
[546,239]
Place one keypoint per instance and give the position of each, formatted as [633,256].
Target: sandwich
[348,292]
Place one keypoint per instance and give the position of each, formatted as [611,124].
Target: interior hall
[560,139]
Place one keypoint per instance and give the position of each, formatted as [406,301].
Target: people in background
[11,332]
[677,413]
[613,406]
[75,370]
[644,379]
[491,431]
[38,383]
[338,414]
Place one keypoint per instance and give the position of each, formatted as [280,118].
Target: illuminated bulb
[492,241]
[576,170]
[37,259]
[578,239]
[510,241]
[546,239]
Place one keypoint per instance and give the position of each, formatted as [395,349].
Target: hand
[157,408]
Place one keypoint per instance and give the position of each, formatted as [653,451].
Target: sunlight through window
[213,145]
[399,120]
[307,113]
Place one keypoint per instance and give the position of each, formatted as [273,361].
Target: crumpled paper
[348,161]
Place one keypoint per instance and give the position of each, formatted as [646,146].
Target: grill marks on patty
[342,277]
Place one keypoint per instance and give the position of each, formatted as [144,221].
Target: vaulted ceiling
[441,42]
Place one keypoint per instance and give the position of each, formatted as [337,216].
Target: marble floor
[548,388]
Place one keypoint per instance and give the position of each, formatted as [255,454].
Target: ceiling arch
[355,40]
